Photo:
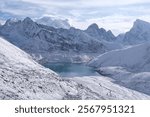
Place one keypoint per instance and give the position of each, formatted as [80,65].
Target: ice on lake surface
[71,69]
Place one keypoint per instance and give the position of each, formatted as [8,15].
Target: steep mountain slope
[23,78]
[101,34]
[104,86]
[53,22]
[135,59]
[139,33]
[50,44]
[105,37]
[135,81]
[129,67]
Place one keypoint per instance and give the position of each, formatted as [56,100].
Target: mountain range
[123,62]
[45,42]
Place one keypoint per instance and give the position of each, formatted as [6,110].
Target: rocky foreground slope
[23,78]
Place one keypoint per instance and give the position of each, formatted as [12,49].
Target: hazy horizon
[115,15]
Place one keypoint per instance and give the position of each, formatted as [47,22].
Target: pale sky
[115,15]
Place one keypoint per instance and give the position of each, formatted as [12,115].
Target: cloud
[2,22]
[106,3]
[81,9]
[86,3]
[84,8]
[19,8]
[116,23]
[117,15]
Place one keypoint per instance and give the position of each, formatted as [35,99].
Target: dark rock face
[43,40]
[139,33]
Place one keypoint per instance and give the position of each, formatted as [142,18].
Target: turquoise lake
[71,69]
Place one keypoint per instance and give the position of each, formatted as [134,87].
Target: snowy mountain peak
[11,22]
[110,32]
[54,22]
[139,33]
[30,28]
[141,24]
[28,20]
[93,26]
[99,33]
[139,21]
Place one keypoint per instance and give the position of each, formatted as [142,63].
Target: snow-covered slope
[54,22]
[135,59]
[139,33]
[44,42]
[104,88]
[129,67]
[135,81]
[23,78]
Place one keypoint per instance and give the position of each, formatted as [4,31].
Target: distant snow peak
[99,33]
[139,33]
[140,24]
[28,20]
[93,26]
[11,21]
[110,32]
[43,40]
[54,22]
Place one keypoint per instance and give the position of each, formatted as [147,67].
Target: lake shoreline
[71,69]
